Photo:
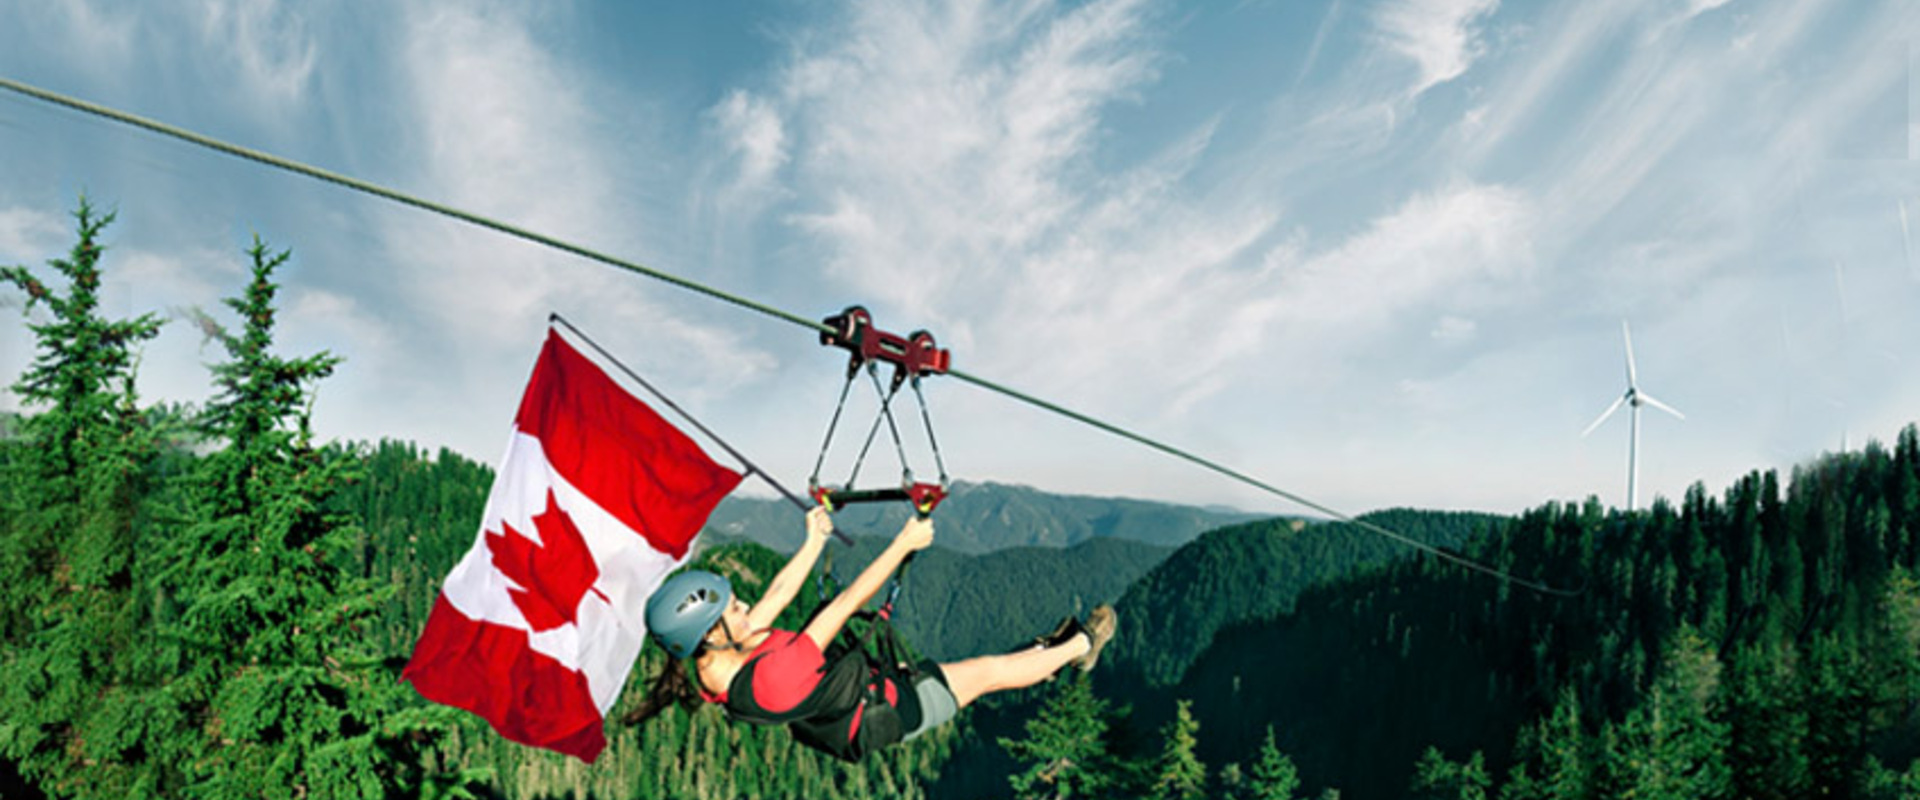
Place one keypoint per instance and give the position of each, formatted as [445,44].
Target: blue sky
[1376,253]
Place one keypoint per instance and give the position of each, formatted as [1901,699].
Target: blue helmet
[684,608]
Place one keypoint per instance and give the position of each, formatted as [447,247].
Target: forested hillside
[981,518]
[1765,643]
[1168,619]
[1253,572]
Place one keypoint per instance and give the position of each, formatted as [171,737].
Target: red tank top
[787,668]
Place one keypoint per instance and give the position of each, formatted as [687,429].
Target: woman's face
[733,619]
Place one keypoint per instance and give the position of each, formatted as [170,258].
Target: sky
[1377,254]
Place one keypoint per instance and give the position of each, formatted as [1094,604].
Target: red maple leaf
[553,573]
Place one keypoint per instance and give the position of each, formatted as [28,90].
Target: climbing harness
[913,357]
[848,714]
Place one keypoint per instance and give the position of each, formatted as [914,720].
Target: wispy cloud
[482,108]
[267,44]
[957,168]
[1697,7]
[960,172]
[1460,249]
[1454,330]
[1652,133]
[944,136]
[498,127]
[1552,50]
[1319,41]
[1441,37]
[103,39]
[29,236]
[751,131]
[505,126]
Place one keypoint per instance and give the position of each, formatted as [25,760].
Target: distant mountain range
[979,518]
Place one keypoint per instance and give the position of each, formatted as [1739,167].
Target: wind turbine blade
[1633,378]
[1649,400]
[1604,415]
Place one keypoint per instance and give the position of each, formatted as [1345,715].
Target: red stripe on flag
[491,671]
[619,452]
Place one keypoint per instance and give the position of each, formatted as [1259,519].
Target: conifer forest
[208,602]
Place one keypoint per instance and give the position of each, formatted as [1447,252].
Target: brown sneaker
[1099,627]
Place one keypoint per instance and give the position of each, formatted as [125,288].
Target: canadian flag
[597,499]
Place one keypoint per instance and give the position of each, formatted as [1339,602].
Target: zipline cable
[376,190]
[399,197]
[1256,483]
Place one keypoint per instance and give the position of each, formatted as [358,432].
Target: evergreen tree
[1065,750]
[1673,746]
[296,699]
[1884,784]
[1557,749]
[1274,777]
[1767,724]
[1178,773]
[1834,680]
[1436,778]
[70,615]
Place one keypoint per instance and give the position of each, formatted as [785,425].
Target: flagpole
[751,468]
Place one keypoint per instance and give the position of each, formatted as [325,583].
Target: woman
[833,696]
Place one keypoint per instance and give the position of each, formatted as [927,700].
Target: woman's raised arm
[786,584]
[916,535]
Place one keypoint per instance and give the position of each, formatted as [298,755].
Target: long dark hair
[671,686]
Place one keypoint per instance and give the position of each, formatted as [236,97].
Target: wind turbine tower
[1633,399]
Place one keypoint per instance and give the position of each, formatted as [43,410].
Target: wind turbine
[1634,398]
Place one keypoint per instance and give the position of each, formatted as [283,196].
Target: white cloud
[1440,36]
[510,130]
[752,131]
[1697,7]
[1553,51]
[1454,247]
[956,171]
[28,236]
[194,277]
[1454,330]
[272,54]
[946,137]
[1651,133]
[104,39]
[489,112]
[1320,35]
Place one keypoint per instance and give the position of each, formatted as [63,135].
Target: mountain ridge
[984,517]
